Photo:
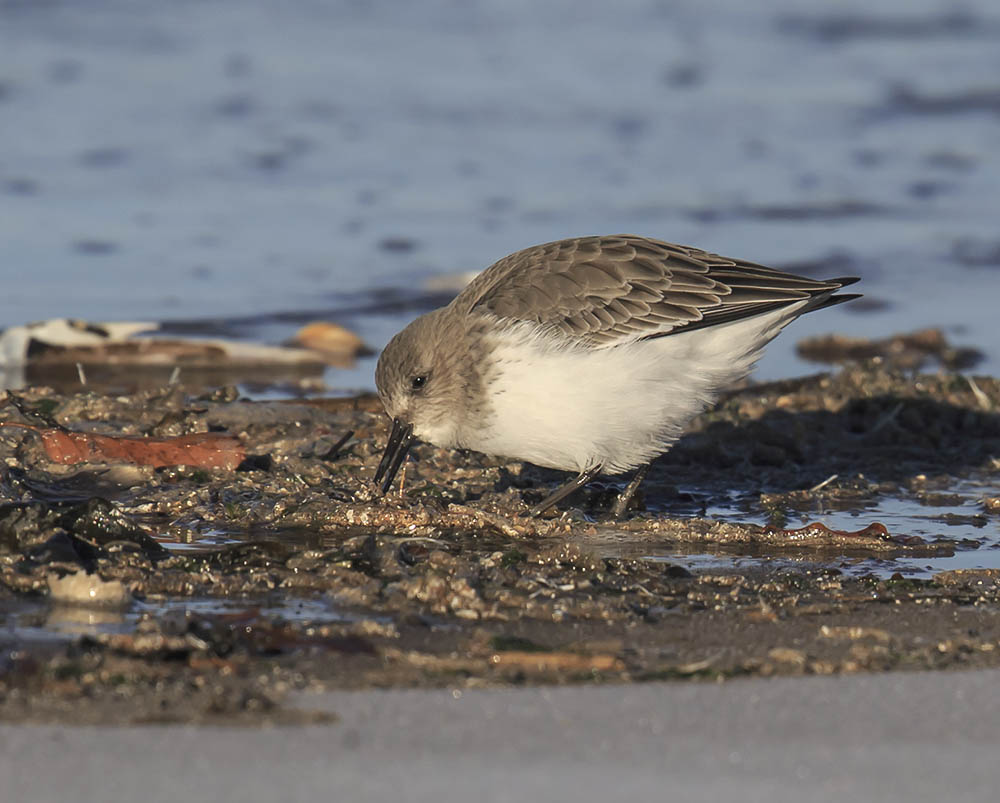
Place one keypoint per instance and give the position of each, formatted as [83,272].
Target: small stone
[81,588]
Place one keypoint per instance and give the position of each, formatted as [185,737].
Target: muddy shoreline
[200,567]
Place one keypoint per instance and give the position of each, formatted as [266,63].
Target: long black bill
[395,453]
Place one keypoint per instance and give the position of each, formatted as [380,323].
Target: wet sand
[226,589]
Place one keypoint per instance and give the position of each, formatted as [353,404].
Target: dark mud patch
[976,253]
[833,210]
[842,27]
[221,591]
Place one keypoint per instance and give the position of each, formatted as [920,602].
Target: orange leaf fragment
[557,661]
[201,450]
[876,529]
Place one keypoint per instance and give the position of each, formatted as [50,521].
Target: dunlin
[589,354]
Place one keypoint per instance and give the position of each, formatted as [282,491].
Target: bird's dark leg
[562,492]
[621,503]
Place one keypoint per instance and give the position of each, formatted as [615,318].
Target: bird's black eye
[418,382]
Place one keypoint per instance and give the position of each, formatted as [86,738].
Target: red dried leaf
[874,530]
[202,450]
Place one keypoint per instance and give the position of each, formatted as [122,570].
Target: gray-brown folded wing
[608,290]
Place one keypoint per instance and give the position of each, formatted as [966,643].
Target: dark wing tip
[844,281]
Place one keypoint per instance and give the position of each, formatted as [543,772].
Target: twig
[823,484]
[334,452]
[889,416]
[982,398]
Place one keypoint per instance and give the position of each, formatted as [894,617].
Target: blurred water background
[245,165]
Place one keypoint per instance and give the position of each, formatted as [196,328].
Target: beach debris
[65,341]
[20,344]
[69,341]
[908,351]
[338,346]
[64,352]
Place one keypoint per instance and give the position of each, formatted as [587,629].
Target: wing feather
[609,290]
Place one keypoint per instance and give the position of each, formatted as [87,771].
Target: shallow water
[41,620]
[241,159]
[962,522]
[979,538]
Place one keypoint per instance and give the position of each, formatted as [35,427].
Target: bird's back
[610,290]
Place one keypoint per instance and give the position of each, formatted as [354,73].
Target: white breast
[566,406]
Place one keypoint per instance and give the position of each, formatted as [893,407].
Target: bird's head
[423,385]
